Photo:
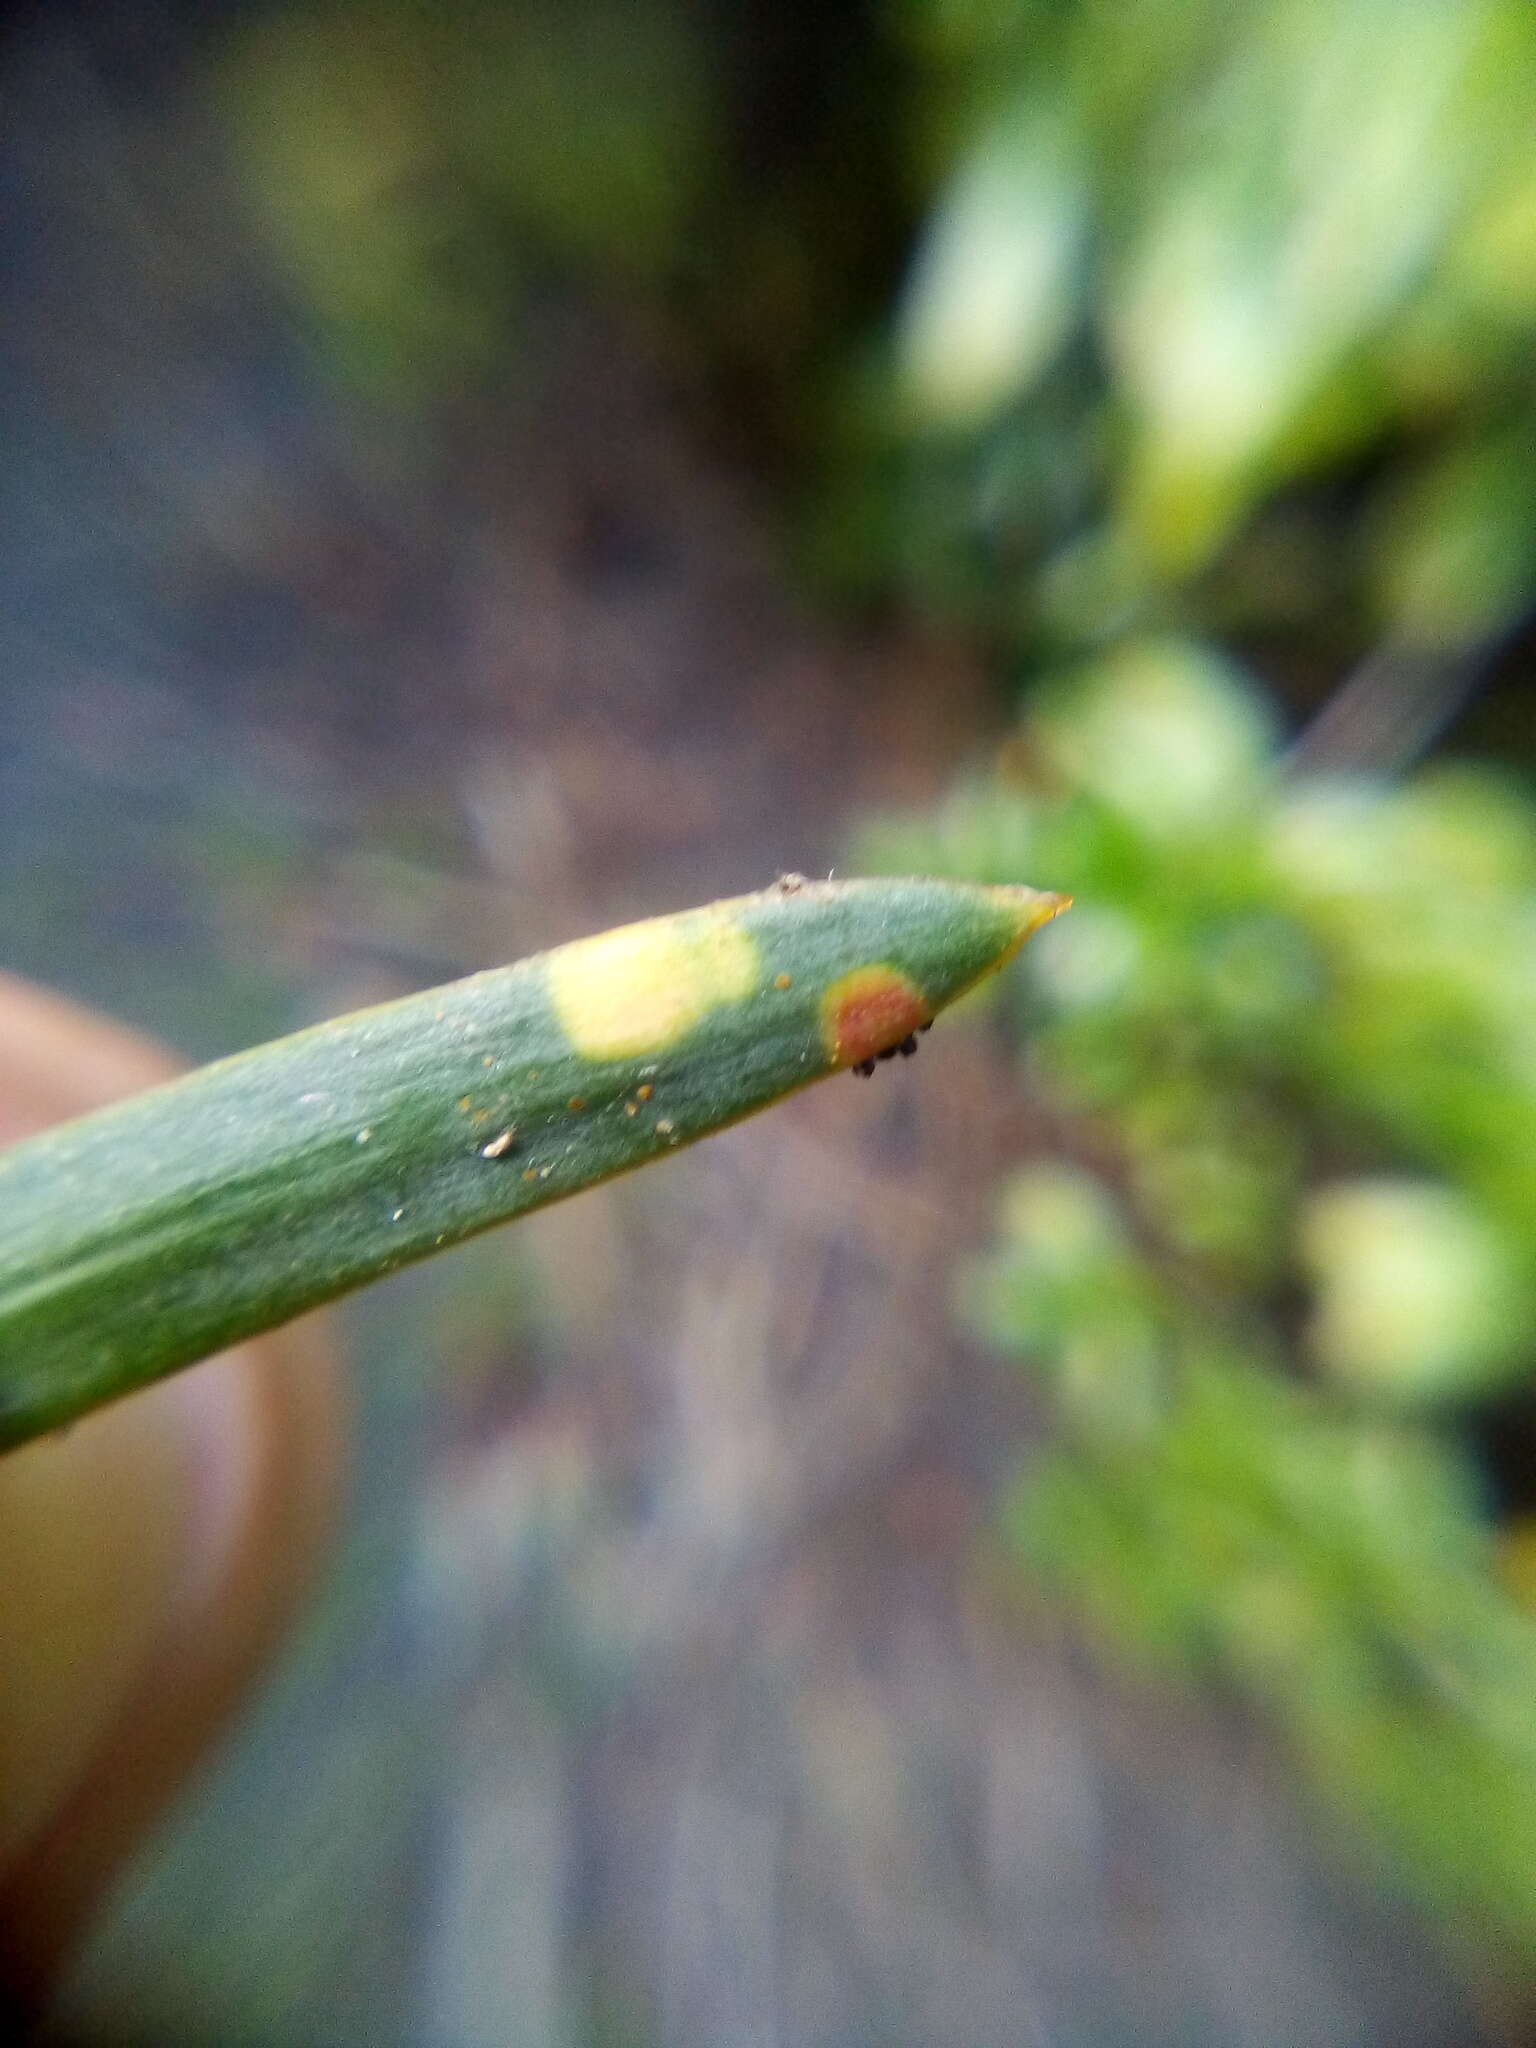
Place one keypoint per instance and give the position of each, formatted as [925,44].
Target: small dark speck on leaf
[906,1047]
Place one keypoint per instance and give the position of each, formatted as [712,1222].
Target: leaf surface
[151,1234]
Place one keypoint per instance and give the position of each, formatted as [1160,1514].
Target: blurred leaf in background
[1286,1250]
[414,169]
[1241,313]
[1188,269]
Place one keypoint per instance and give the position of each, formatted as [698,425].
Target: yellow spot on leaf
[642,987]
[645,1091]
[782,981]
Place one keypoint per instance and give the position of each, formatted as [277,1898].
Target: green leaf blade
[154,1233]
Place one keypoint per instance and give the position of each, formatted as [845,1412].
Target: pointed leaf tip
[1030,908]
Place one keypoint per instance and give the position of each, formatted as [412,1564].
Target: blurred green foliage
[1211,361]
[1185,266]
[416,169]
[1283,1244]
[1214,360]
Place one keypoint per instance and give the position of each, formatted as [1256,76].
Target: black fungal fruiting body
[907,1046]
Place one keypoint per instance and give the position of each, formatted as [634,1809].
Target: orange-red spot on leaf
[869,1010]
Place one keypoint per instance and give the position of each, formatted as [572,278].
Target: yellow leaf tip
[1030,908]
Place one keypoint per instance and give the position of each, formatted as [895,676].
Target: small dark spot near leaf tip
[906,1047]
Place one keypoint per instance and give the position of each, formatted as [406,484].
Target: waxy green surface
[154,1233]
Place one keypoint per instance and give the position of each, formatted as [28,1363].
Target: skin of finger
[80,1596]
[149,1557]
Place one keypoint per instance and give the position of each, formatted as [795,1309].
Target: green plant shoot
[154,1233]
